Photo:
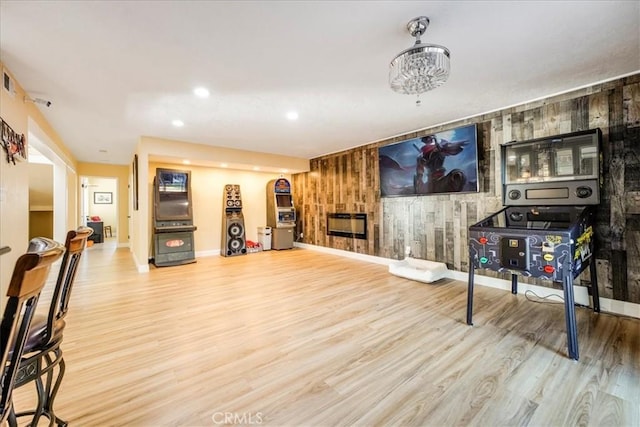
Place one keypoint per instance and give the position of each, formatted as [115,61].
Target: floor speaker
[235,243]
[233,233]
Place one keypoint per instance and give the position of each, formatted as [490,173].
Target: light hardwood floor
[301,338]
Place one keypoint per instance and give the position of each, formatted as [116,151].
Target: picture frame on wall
[102,198]
[14,144]
[135,182]
[443,162]
[5,133]
[19,147]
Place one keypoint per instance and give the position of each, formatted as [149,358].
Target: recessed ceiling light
[292,115]
[177,123]
[224,165]
[201,92]
[186,162]
[285,170]
[256,168]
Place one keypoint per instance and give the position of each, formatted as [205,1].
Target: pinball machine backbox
[550,188]
[562,170]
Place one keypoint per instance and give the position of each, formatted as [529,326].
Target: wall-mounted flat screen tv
[444,162]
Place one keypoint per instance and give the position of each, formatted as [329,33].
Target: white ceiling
[116,70]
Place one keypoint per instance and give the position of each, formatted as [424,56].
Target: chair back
[75,244]
[28,278]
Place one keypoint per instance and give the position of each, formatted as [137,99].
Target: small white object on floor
[419,269]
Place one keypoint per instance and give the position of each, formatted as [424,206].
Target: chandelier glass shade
[422,67]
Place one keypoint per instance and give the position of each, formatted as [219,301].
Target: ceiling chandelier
[420,68]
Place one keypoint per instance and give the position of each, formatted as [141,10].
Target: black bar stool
[28,278]
[42,352]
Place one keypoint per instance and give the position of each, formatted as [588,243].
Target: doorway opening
[40,194]
[51,188]
[99,208]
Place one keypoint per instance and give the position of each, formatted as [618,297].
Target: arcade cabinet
[281,214]
[173,227]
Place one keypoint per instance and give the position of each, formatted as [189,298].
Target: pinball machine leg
[472,268]
[594,285]
[514,284]
[570,317]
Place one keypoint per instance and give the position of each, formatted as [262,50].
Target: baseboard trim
[607,305]
[142,268]
[207,253]
[362,257]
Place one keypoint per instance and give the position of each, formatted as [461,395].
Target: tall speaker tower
[233,235]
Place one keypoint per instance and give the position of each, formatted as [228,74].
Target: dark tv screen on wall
[443,162]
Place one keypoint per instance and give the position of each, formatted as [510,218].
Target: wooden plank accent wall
[435,227]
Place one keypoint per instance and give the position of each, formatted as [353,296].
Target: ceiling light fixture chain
[422,67]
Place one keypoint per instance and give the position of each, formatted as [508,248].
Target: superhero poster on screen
[443,162]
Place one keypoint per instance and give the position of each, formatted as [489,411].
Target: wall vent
[7,83]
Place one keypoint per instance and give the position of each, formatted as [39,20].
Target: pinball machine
[550,189]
